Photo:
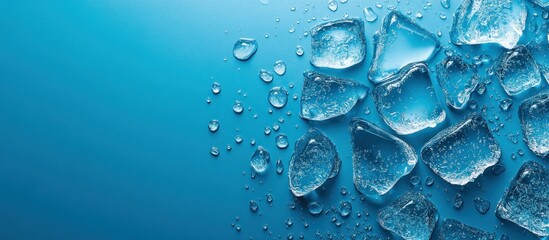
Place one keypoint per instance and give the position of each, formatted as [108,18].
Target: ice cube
[539,48]
[525,202]
[411,217]
[455,230]
[457,80]
[489,21]
[534,119]
[462,152]
[407,102]
[324,97]
[314,160]
[399,42]
[379,158]
[338,44]
[517,71]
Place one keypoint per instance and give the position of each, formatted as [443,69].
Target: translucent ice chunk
[489,21]
[314,160]
[541,3]
[324,97]
[407,102]
[517,70]
[379,158]
[244,48]
[457,80]
[455,230]
[539,48]
[462,152]
[534,119]
[260,160]
[338,44]
[399,42]
[525,201]
[411,217]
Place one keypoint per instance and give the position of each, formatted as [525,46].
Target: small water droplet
[216,87]
[314,208]
[429,181]
[214,151]
[445,3]
[278,97]
[280,67]
[299,50]
[237,107]
[282,141]
[332,5]
[279,166]
[414,180]
[265,75]
[505,104]
[238,139]
[369,14]
[213,125]
[253,206]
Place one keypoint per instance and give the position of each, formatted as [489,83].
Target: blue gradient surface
[103,121]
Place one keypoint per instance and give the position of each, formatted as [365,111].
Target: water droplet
[292,8]
[332,5]
[282,141]
[278,97]
[472,104]
[369,14]
[445,3]
[280,67]
[419,15]
[238,139]
[269,198]
[414,180]
[279,166]
[345,208]
[265,75]
[213,125]
[429,181]
[545,15]
[299,50]
[315,208]
[244,48]
[505,104]
[260,159]
[289,222]
[458,201]
[267,130]
[253,206]
[442,16]
[237,107]
[216,88]
[214,151]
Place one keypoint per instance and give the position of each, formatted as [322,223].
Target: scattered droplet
[216,87]
[429,181]
[237,107]
[265,75]
[253,206]
[279,166]
[481,205]
[244,48]
[213,125]
[280,67]
[214,151]
[445,3]
[315,208]
[260,160]
[369,14]
[345,208]
[505,104]
[238,139]
[458,201]
[299,50]
[281,141]
[278,97]
[332,5]
[414,180]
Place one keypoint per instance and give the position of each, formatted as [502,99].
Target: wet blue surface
[103,127]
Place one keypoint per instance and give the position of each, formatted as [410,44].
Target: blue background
[103,121]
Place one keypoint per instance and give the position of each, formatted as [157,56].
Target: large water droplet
[244,48]
[315,208]
[282,141]
[216,88]
[237,107]
[213,125]
[265,75]
[369,14]
[260,160]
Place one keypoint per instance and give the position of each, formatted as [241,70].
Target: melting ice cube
[338,44]
[489,21]
[399,42]
[324,97]
[457,80]
[462,152]
[379,158]
[525,202]
[517,70]
[407,102]
[455,230]
[534,119]
[411,217]
[314,160]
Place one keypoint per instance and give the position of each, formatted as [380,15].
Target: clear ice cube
[489,21]
[324,97]
[455,230]
[399,42]
[244,48]
[539,49]
[541,3]
[457,80]
[314,161]
[462,152]
[534,119]
[411,217]
[379,158]
[525,202]
[517,71]
[338,44]
[407,102]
